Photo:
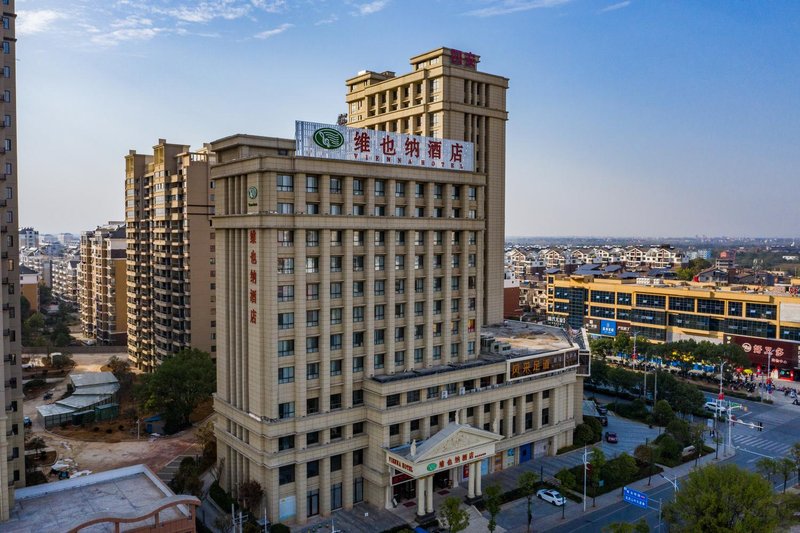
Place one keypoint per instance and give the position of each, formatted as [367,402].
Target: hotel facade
[360,269]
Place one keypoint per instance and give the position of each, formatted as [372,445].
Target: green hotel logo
[328,138]
[431,467]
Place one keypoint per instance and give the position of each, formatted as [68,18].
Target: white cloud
[30,22]
[273,32]
[207,11]
[504,7]
[372,7]
[270,6]
[132,21]
[614,7]
[126,34]
[329,20]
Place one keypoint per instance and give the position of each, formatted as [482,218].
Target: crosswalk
[762,446]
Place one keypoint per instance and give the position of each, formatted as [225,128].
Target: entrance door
[525,452]
[441,480]
[540,448]
[405,491]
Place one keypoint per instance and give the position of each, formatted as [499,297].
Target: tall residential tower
[12,470]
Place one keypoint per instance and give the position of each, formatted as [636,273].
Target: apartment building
[102,287]
[28,238]
[765,323]
[12,470]
[170,253]
[359,269]
[65,279]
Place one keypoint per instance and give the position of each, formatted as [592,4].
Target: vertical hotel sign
[330,141]
[252,284]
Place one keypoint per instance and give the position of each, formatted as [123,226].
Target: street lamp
[584,477]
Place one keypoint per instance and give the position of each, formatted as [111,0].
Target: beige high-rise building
[168,206]
[65,279]
[12,470]
[102,286]
[360,271]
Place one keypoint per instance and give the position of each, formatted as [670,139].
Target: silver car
[552,496]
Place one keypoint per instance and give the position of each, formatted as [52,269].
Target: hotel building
[170,253]
[102,287]
[766,324]
[359,272]
[12,470]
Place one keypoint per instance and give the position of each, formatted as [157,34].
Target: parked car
[602,409]
[611,437]
[713,406]
[552,496]
[48,395]
[26,421]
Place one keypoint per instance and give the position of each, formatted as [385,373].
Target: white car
[552,496]
[713,406]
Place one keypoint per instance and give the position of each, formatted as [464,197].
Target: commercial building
[12,469]
[28,238]
[102,284]
[170,253]
[766,324]
[359,270]
[29,286]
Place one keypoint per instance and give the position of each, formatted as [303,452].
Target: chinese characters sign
[252,239]
[464,59]
[761,351]
[330,141]
[534,365]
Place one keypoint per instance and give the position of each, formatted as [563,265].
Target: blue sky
[626,118]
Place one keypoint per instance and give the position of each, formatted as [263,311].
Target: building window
[379,287]
[312,238]
[336,496]
[312,291]
[312,371]
[285,293]
[312,406]
[399,357]
[312,318]
[358,398]
[394,429]
[285,348]
[380,262]
[336,401]
[358,364]
[400,211]
[380,336]
[336,342]
[285,320]
[358,339]
[286,410]
[285,265]
[286,475]
[380,188]
[312,438]
[312,265]
[312,502]
[379,360]
[285,183]
[336,290]
[336,263]
[393,400]
[358,289]
[286,374]
[358,187]
[412,396]
[337,433]
[312,344]
[312,184]
[545,416]
[336,315]
[286,443]
[336,186]
[358,427]
[285,238]
[336,367]
[358,263]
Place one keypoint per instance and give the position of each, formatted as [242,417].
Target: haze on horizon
[625,118]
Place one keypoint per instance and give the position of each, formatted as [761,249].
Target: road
[781,431]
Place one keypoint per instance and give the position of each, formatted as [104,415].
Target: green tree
[602,347]
[669,448]
[25,307]
[598,461]
[646,455]
[680,430]
[62,360]
[187,478]
[794,453]
[767,467]
[38,445]
[620,470]
[567,478]
[527,483]
[626,527]
[623,343]
[583,435]
[453,516]
[696,432]
[177,386]
[722,498]
[785,467]
[662,413]
[491,497]
[597,428]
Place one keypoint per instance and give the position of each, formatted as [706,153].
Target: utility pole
[584,477]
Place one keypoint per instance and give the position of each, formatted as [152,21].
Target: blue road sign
[635,497]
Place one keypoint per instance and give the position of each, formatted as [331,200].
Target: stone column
[478,490]
[420,496]
[429,493]
[471,483]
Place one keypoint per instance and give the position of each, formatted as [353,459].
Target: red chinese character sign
[768,352]
[330,141]
[464,59]
[252,289]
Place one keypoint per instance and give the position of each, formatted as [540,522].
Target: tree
[794,453]
[583,435]
[647,455]
[767,467]
[62,360]
[784,467]
[602,347]
[662,413]
[626,527]
[207,439]
[696,432]
[527,483]
[177,386]
[38,444]
[598,461]
[680,430]
[187,478]
[721,498]
[491,499]
[453,516]
[250,493]
[25,307]
[567,478]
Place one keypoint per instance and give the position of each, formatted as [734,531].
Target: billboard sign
[760,351]
[608,327]
[639,499]
[331,141]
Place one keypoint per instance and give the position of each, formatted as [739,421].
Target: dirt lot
[99,456]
